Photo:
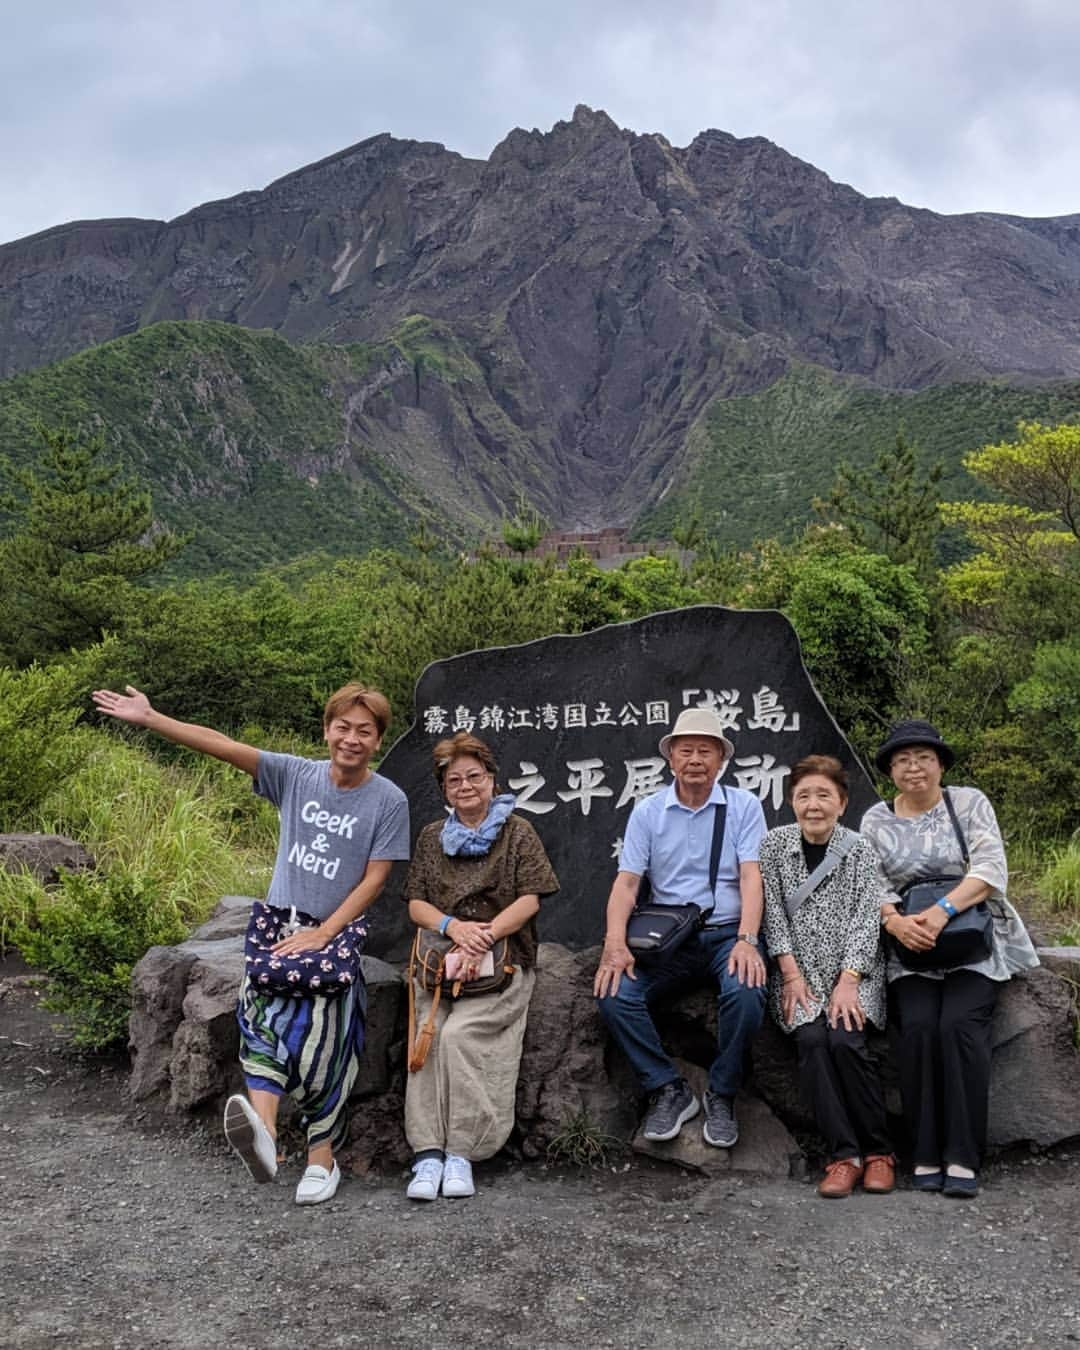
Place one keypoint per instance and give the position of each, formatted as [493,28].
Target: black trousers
[840,1084]
[943,1056]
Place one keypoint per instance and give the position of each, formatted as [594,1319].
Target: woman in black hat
[942,1014]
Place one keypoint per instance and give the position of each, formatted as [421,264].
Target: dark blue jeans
[701,960]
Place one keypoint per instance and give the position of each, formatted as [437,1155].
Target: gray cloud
[123,108]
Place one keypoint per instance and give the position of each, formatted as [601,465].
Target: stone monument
[575,722]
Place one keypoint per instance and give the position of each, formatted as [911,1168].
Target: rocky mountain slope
[601,287]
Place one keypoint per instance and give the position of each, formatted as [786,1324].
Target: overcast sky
[125,108]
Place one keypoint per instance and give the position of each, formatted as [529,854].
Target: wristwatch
[752,938]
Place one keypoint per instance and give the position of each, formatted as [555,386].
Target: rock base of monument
[184,1044]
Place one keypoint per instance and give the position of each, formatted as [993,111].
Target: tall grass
[180,827]
[1059,887]
[169,839]
[1044,880]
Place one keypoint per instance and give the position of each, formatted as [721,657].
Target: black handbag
[967,938]
[653,932]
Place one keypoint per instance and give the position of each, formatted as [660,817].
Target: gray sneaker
[670,1107]
[720,1129]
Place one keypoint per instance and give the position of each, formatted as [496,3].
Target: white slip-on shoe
[250,1138]
[457,1179]
[427,1174]
[317,1185]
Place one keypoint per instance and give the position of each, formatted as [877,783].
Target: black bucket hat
[909,733]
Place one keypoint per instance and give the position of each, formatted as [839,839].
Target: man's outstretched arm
[134,707]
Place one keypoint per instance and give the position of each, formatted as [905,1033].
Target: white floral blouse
[837,927]
[912,848]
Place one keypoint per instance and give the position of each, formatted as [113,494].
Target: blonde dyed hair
[358,696]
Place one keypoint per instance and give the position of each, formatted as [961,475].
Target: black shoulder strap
[956,826]
[719,822]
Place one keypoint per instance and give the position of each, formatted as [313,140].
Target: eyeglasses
[474,778]
[906,759]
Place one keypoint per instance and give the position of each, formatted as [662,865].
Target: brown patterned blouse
[479,888]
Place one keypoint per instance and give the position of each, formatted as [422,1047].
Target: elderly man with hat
[670,837]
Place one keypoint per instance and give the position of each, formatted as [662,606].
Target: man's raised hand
[130,706]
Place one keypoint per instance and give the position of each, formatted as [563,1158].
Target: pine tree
[890,508]
[78,535]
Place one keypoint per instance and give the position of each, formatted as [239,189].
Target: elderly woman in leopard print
[822,904]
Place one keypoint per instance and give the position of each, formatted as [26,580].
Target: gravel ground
[118,1229]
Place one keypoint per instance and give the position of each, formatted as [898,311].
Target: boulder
[45,855]
[184,1042]
[203,1067]
[229,919]
[158,985]
[564,1072]
[383,1059]
[1035,1078]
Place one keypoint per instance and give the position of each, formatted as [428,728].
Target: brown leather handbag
[427,968]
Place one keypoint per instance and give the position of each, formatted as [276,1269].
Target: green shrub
[87,937]
[168,843]
[37,712]
[19,895]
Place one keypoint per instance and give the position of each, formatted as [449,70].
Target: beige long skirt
[462,1100]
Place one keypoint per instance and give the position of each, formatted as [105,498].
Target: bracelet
[855,974]
[948,907]
[792,979]
[448,919]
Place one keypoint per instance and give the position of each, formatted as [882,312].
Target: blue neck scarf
[474,843]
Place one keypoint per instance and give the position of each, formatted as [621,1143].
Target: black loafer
[961,1188]
[927,1181]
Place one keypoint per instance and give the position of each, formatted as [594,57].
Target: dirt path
[120,1230]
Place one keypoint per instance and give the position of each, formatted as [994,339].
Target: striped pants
[307,1048]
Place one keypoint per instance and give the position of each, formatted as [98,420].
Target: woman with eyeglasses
[477,876]
[942,1014]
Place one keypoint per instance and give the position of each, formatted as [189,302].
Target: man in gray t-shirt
[342,828]
[328,833]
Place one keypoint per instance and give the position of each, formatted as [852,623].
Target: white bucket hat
[697,722]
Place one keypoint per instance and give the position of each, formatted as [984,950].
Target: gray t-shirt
[328,834]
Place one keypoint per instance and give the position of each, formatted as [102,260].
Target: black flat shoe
[961,1188]
[927,1181]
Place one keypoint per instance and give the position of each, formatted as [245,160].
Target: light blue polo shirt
[672,843]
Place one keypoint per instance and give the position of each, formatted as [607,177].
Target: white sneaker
[427,1174]
[250,1138]
[457,1179]
[317,1185]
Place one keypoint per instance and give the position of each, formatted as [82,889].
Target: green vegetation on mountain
[262,450]
[754,464]
[241,435]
